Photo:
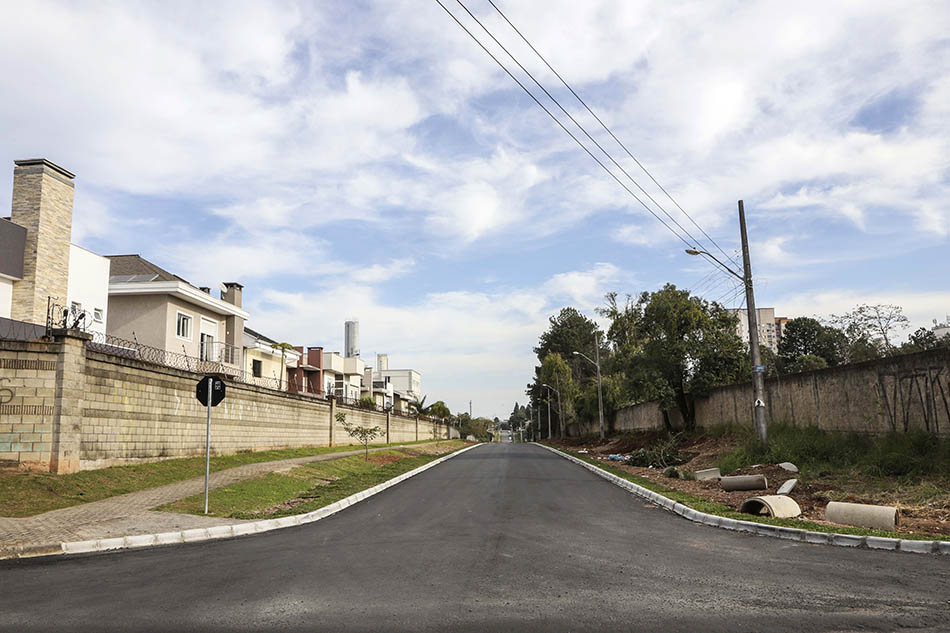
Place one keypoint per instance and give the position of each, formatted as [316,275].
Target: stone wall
[898,393]
[65,408]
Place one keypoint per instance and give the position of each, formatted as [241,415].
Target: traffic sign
[759,369]
[217,390]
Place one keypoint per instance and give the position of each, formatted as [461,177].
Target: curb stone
[763,529]
[196,535]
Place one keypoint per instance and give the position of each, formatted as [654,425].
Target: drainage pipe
[744,482]
[862,515]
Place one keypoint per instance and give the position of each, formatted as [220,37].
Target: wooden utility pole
[758,370]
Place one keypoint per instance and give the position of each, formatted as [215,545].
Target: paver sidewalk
[129,515]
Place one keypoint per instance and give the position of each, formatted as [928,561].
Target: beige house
[151,306]
[262,361]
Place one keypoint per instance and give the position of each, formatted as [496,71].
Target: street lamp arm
[585,357]
[696,251]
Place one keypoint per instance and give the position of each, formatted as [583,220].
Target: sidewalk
[129,515]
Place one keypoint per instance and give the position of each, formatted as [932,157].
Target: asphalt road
[506,537]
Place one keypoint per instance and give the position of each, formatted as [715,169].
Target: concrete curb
[220,531]
[762,529]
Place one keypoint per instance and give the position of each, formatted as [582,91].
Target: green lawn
[26,494]
[711,507]
[305,488]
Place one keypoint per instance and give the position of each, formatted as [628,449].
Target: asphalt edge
[195,535]
[763,529]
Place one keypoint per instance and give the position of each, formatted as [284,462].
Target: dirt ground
[811,493]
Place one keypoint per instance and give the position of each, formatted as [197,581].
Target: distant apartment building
[151,306]
[770,326]
[41,271]
[941,330]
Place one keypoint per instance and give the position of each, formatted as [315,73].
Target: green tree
[420,406]
[681,347]
[284,348]
[556,372]
[568,332]
[438,409]
[806,336]
[806,362]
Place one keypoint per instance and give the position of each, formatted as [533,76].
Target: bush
[914,454]
[663,453]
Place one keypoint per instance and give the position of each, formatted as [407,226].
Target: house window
[257,368]
[183,329]
[97,315]
[207,347]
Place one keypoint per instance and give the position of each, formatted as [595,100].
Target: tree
[556,372]
[365,435]
[806,336]
[569,331]
[806,362]
[420,406]
[439,410]
[872,326]
[679,347]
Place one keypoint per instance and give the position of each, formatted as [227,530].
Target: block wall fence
[64,408]
[897,393]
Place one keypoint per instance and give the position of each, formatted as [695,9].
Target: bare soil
[811,493]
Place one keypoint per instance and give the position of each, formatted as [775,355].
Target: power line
[561,125]
[608,130]
[574,121]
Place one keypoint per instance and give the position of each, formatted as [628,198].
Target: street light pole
[758,370]
[758,373]
[600,395]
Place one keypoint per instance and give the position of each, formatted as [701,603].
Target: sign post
[210,392]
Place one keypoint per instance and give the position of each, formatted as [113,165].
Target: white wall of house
[87,286]
[6,296]
[407,381]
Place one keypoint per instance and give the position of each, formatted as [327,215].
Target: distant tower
[352,339]
[382,362]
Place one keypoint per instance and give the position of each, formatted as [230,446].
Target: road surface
[506,537]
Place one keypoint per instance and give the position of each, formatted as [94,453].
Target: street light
[559,414]
[600,395]
[758,370]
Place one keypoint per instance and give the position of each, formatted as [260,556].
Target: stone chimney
[232,293]
[43,205]
[234,325]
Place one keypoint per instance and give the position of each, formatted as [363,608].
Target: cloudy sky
[367,159]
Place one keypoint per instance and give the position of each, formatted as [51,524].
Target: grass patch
[908,456]
[710,507]
[25,494]
[303,489]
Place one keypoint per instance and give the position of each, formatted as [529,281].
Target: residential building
[307,377]
[151,306]
[377,388]
[266,364]
[406,382]
[942,329]
[769,329]
[40,269]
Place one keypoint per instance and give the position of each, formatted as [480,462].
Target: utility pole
[600,391]
[560,411]
[758,371]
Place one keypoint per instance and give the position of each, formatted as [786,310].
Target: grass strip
[711,507]
[303,489]
[24,494]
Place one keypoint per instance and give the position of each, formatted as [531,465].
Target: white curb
[239,529]
[763,529]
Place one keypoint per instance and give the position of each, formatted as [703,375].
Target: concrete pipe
[861,515]
[778,506]
[744,482]
[707,473]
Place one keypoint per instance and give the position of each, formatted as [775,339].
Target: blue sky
[368,160]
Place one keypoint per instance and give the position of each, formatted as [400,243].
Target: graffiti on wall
[922,393]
